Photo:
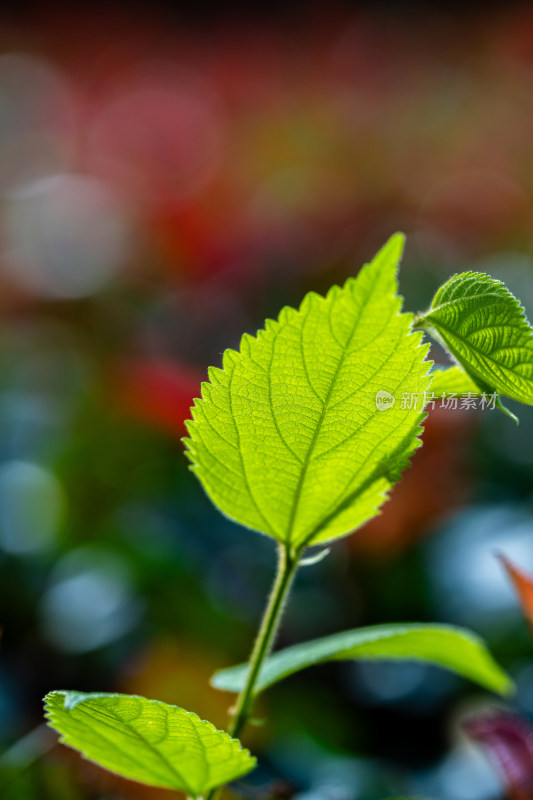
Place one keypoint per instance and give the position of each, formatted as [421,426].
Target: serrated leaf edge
[85,697]
[424,320]
[231,356]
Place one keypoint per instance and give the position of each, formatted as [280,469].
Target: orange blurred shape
[523,586]
[179,673]
[159,393]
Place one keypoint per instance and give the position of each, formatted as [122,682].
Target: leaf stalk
[287,565]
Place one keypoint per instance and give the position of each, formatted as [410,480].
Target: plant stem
[287,566]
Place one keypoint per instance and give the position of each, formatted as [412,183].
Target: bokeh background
[168,179]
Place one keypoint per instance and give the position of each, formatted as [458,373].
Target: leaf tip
[508,686]
[392,251]
[397,240]
[395,244]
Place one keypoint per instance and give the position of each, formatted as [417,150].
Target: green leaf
[453,648]
[288,438]
[452,380]
[484,327]
[147,741]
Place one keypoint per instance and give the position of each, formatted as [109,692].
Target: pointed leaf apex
[292,440]
[393,249]
[397,241]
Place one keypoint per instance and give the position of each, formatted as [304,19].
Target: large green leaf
[148,741]
[453,648]
[288,438]
[485,328]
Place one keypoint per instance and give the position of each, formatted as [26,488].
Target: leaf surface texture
[287,438]
[484,327]
[453,648]
[452,380]
[147,741]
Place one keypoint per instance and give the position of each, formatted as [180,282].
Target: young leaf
[147,741]
[452,380]
[453,648]
[485,328]
[289,439]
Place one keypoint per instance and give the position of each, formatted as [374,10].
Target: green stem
[287,566]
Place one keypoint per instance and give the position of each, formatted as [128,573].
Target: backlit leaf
[484,327]
[453,648]
[147,741]
[291,438]
[452,380]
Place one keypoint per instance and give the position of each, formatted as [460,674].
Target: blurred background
[168,179]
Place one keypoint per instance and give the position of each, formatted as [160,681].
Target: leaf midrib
[331,648]
[312,444]
[164,760]
[471,298]
[468,344]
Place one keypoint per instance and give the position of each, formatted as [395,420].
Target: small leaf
[453,648]
[452,380]
[315,558]
[289,438]
[484,327]
[147,741]
[523,585]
